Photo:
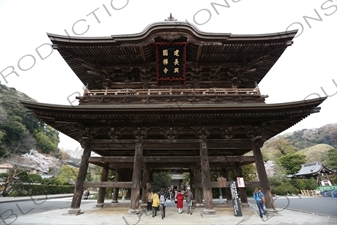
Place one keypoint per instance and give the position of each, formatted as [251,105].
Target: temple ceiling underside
[171,130]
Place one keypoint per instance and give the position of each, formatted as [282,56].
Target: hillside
[313,143]
[19,131]
[316,153]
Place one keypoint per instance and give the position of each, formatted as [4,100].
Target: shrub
[51,181]
[28,190]
[4,175]
[310,184]
[300,184]
[35,178]
[285,189]
[304,184]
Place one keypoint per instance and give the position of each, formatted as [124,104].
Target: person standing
[189,197]
[162,198]
[258,195]
[149,200]
[180,201]
[155,204]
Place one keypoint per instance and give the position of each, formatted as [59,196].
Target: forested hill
[19,131]
[313,143]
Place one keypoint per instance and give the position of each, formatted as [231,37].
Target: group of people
[180,200]
[158,200]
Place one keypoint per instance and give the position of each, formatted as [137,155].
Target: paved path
[117,214]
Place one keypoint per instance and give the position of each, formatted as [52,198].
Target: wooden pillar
[192,181]
[101,191]
[228,191]
[144,185]
[78,193]
[136,176]
[261,171]
[151,176]
[197,183]
[206,180]
[242,191]
[116,190]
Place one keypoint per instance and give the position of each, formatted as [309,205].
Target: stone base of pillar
[133,211]
[114,201]
[74,211]
[100,205]
[208,212]
[199,205]
[244,204]
[272,211]
[143,204]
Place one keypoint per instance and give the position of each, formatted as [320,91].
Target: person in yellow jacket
[155,204]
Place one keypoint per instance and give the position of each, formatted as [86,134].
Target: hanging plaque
[171,61]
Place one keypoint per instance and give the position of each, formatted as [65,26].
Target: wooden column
[192,181]
[261,171]
[242,191]
[144,185]
[197,182]
[78,193]
[116,190]
[228,191]
[136,176]
[206,180]
[101,191]
[151,176]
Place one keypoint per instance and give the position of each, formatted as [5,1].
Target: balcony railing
[152,92]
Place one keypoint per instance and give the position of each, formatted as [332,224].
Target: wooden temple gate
[171,96]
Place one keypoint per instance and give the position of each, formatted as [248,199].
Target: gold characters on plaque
[166,61]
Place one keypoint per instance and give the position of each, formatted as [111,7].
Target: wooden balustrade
[199,91]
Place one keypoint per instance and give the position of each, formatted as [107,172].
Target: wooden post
[206,180]
[197,182]
[242,191]
[136,176]
[82,173]
[116,190]
[228,191]
[144,186]
[261,171]
[101,191]
[151,175]
[192,181]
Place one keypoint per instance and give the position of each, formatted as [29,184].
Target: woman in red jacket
[180,201]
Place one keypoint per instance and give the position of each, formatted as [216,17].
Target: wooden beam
[164,159]
[107,184]
[247,184]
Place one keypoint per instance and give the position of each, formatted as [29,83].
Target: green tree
[292,162]
[67,173]
[284,146]
[331,162]
[14,128]
[47,139]
[160,180]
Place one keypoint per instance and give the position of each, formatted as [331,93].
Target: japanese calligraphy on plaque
[171,58]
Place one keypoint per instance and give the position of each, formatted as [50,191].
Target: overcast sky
[308,67]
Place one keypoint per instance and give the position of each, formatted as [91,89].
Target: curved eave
[69,119]
[312,103]
[174,28]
